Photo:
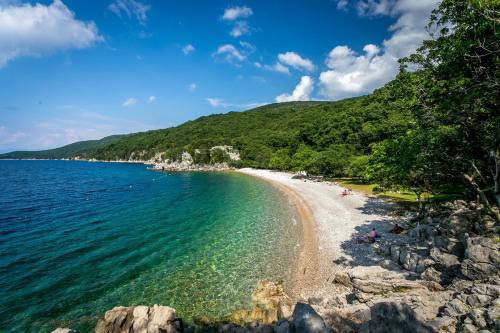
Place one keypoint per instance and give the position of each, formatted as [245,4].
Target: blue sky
[72,70]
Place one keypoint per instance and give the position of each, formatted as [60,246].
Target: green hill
[321,137]
[68,151]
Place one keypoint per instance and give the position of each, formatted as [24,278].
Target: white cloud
[342,4]
[151,99]
[302,91]
[36,30]
[216,102]
[233,13]
[277,67]
[229,53]
[375,7]
[132,9]
[240,28]
[192,87]
[291,59]
[296,61]
[350,73]
[188,49]
[129,102]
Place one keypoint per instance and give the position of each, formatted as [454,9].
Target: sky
[73,70]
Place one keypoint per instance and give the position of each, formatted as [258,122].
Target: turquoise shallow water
[78,238]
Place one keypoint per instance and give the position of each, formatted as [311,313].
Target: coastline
[329,222]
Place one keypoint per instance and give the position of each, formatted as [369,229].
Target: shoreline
[329,222]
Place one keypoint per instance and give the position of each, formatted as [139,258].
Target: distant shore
[328,224]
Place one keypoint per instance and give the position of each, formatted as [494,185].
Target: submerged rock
[269,304]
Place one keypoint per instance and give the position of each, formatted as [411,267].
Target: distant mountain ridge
[68,151]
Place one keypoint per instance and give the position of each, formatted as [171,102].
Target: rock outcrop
[140,319]
[269,305]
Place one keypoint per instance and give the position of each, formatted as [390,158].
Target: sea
[78,238]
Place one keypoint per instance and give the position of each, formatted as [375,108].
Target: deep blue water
[78,238]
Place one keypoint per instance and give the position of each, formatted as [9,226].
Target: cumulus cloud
[216,102]
[287,60]
[129,102]
[302,91]
[277,67]
[229,53]
[192,87]
[188,49]
[234,13]
[296,61]
[36,30]
[151,99]
[240,28]
[342,4]
[235,16]
[350,73]
[131,8]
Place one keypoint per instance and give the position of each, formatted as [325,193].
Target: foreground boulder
[140,319]
[306,320]
[482,259]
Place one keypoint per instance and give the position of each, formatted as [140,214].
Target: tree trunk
[420,203]
[496,175]
[481,194]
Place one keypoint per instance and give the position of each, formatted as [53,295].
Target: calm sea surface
[78,238]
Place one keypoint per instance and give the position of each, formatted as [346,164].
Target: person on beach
[372,235]
[370,238]
[396,230]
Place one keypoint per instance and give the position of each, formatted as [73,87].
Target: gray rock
[492,290]
[395,318]
[395,252]
[140,319]
[446,263]
[476,300]
[63,330]
[477,270]
[469,328]
[443,324]
[306,320]
[477,316]
[483,250]
[455,308]
[282,326]
[430,274]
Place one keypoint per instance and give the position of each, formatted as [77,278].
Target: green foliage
[281,160]
[360,167]
[218,155]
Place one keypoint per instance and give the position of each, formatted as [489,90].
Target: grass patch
[403,196]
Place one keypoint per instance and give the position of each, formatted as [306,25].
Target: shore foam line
[329,222]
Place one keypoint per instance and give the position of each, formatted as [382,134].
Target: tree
[455,89]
